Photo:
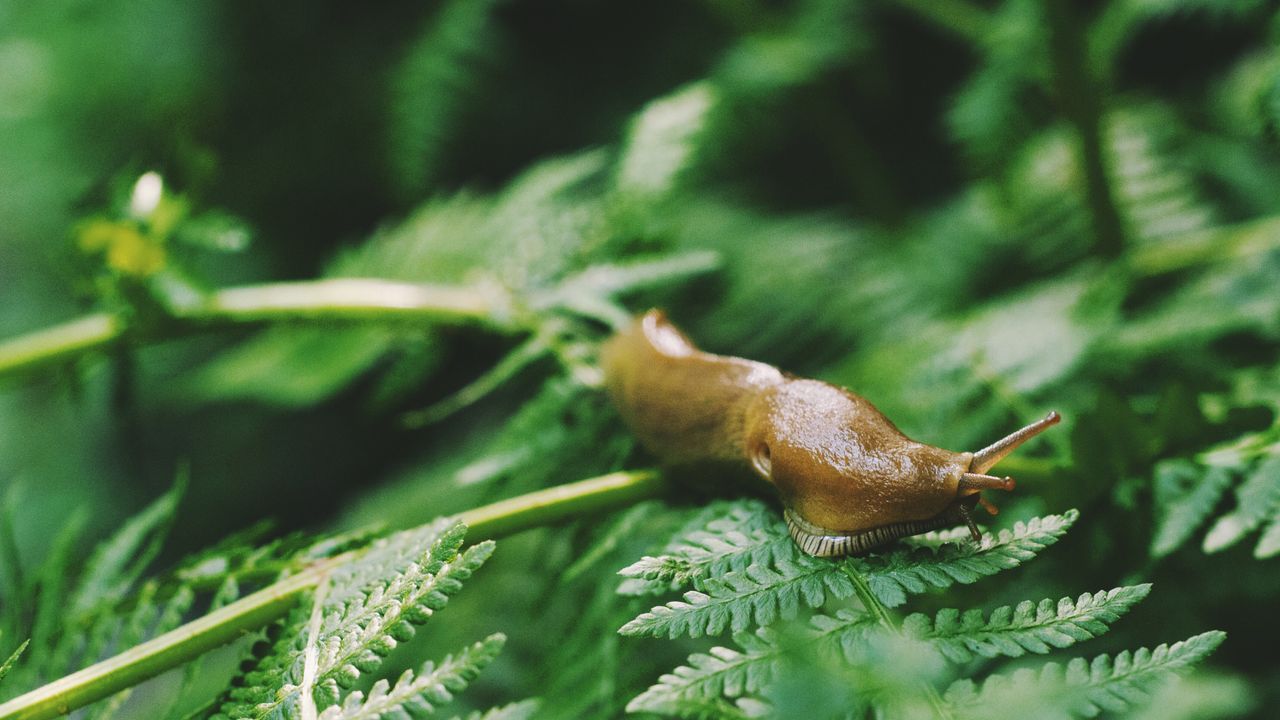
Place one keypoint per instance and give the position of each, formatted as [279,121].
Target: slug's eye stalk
[975,481]
[987,457]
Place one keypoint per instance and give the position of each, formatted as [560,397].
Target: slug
[849,480]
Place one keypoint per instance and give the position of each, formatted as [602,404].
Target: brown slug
[849,480]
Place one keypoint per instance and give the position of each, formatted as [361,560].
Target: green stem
[349,299]
[60,342]
[886,621]
[562,502]
[332,299]
[231,622]
[1081,103]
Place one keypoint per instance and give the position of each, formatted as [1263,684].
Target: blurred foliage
[967,211]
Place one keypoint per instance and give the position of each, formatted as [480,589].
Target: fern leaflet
[1085,688]
[119,561]
[1257,499]
[723,539]
[894,575]
[761,594]
[726,672]
[1184,496]
[736,600]
[420,694]
[8,664]
[1028,627]
[522,710]
[372,605]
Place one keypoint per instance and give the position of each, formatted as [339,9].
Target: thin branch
[229,623]
[60,342]
[350,299]
[333,299]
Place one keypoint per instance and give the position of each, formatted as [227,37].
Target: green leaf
[662,142]
[1269,543]
[441,73]
[761,593]
[291,366]
[423,693]
[896,574]
[522,710]
[12,660]
[698,688]
[727,537]
[757,595]
[371,606]
[1028,627]
[1185,495]
[695,690]
[1083,688]
[119,561]
[1257,499]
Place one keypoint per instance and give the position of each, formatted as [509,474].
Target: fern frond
[438,75]
[55,578]
[1185,495]
[119,561]
[522,710]
[605,281]
[760,594]
[355,640]
[757,595]
[708,676]
[748,534]
[150,617]
[1269,542]
[989,113]
[372,605]
[1028,627]
[1156,192]
[1257,500]
[272,671]
[698,688]
[663,141]
[896,574]
[1086,688]
[420,694]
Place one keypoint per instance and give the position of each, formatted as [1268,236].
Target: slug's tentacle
[968,521]
[978,481]
[987,457]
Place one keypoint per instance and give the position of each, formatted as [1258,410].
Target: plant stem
[166,651]
[332,299]
[1080,101]
[229,623]
[886,621]
[562,502]
[348,299]
[59,342]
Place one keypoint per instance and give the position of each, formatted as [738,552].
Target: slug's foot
[822,542]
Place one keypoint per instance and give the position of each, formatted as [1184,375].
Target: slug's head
[851,481]
[974,480]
